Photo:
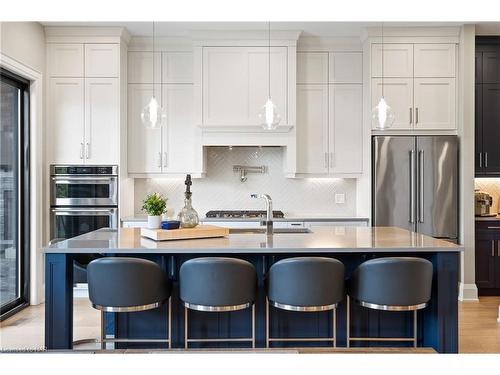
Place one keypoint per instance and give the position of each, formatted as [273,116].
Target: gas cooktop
[243,214]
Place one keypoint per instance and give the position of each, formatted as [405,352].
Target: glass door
[14,193]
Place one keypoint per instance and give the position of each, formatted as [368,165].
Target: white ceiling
[341,29]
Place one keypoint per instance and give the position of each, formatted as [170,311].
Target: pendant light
[153,116]
[383,113]
[269,116]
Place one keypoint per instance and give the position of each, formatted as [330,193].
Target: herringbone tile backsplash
[492,187]
[222,189]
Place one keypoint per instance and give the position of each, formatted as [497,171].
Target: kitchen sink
[263,230]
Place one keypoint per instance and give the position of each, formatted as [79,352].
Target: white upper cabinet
[144,145]
[312,129]
[66,120]
[398,93]
[434,60]
[434,100]
[177,67]
[65,60]
[345,67]
[312,67]
[235,85]
[180,144]
[140,67]
[398,60]
[346,129]
[102,127]
[102,60]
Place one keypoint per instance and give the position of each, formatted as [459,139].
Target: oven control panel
[84,170]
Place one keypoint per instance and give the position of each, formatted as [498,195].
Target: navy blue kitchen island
[437,323]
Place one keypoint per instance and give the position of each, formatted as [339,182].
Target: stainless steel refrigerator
[415,184]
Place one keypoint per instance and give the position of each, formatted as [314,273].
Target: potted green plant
[154,205]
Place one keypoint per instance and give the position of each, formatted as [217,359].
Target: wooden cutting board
[200,231]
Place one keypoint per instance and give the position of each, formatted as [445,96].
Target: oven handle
[89,180]
[79,211]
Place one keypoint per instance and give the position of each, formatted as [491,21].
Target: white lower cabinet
[329,129]
[173,149]
[66,121]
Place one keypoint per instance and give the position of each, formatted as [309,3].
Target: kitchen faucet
[268,223]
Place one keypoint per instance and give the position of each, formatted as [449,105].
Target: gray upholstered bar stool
[306,284]
[127,285]
[217,284]
[392,284]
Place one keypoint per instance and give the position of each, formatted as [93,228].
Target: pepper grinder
[188,215]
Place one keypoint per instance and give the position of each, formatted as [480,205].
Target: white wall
[22,47]
[222,189]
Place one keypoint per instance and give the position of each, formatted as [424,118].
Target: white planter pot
[154,222]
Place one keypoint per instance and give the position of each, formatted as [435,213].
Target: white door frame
[38,215]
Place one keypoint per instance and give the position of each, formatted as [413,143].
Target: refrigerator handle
[412,185]
[421,186]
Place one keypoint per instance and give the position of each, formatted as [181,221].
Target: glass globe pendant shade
[153,116]
[383,115]
[269,116]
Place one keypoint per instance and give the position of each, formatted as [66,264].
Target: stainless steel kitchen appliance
[83,198]
[483,202]
[415,184]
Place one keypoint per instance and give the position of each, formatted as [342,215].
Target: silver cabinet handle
[486,160]
[159,160]
[480,160]
[326,160]
[412,186]
[416,115]
[81,150]
[494,227]
[421,186]
[411,115]
[87,150]
[492,248]
[165,159]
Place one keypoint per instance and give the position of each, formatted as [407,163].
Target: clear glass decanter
[188,215]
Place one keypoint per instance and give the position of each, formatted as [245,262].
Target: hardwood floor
[478,328]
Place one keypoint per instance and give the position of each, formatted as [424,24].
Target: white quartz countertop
[321,240]
[308,218]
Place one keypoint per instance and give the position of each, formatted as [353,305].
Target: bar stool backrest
[126,282]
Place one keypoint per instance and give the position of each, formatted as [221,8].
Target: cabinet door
[491,67]
[181,139]
[177,67]
[312,67]
[144,145]
[235,84]
[398,60]
[102,60]
[346,67]
[66,113]
[312,129]
[346,129]
[491,128]
[478,129]
[140,67]
[434,60]
[398,93]
[434,101]
[479,67]
[65,60]
[485,262]
[102,115]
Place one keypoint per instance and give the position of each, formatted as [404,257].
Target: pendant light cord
[269,58]
[383,45]
[153,59]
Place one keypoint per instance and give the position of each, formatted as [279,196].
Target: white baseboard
[467,292]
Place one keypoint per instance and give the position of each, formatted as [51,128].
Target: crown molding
[86,34]
[162,44]
[329,44]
